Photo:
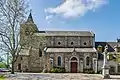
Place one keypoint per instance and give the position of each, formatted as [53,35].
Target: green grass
[2,77]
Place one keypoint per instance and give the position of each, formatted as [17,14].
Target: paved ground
[58,76]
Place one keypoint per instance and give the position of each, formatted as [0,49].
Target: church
[74,51]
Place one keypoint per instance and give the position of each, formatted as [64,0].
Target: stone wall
[36,62]
[23,60]
[70,41]
[66,57]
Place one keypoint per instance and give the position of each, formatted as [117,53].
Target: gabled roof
[65,33]
[111,45]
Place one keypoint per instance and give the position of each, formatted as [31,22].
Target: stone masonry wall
[70,41]
[66,57]
[23,60]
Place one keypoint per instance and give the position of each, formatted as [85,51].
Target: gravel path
[58,76]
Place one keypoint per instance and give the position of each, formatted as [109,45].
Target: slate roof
[30,19]
[71,49]
[65,33]
[111,45]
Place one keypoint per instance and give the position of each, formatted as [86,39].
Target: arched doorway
[74,65]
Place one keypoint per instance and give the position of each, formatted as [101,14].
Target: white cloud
[49,17]
[75,8]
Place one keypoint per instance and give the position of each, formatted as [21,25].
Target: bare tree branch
[5,43]
[12,14]
[5,35]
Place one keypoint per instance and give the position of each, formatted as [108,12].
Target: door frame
[74,61]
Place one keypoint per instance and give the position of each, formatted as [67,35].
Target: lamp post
[105,68]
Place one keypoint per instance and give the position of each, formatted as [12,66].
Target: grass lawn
[2,78]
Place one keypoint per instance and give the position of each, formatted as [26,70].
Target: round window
[85,43]
[59,43]
[72,43]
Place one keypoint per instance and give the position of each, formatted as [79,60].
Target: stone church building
[72,50]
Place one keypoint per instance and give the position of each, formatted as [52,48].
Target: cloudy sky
[100,16]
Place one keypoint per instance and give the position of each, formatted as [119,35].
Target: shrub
[2,65]
[2,77]
[99,72]
[57,70]
[89,71]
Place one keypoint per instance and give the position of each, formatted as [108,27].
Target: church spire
[30,19]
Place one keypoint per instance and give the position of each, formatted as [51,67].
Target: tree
[3,65]
[12,14]
[1,59]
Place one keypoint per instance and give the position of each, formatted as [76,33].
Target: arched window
[87,61]
[40,52]
[59,61]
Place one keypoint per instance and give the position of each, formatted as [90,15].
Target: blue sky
[100,16]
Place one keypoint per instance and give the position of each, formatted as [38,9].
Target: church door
[74,65]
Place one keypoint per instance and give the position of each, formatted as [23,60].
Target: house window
[118,68]
[112,69]
[59,61]
[87,61]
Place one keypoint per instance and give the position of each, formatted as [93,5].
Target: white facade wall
[111,63]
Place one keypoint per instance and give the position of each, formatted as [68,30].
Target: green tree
[3,65]
[118,57]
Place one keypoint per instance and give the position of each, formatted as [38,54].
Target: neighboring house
[113,55]
[72,50]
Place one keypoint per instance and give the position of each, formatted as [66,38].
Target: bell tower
[30,19]
[28,28]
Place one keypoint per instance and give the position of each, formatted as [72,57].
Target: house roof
[111,48]
[65,33]
[111,45]
[70,50]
